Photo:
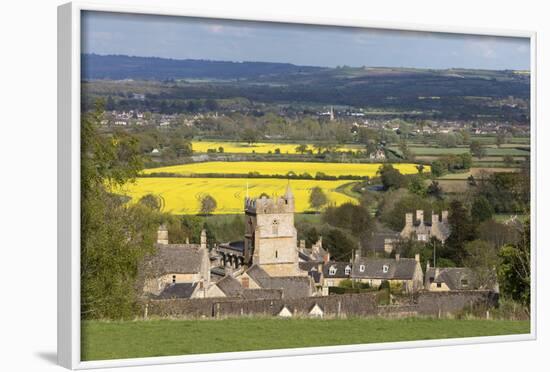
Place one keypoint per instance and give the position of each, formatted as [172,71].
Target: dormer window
[464,282]
[347,270]
[362,268]
[385,269]
[332,270]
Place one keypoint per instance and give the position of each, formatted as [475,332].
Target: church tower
[270,235]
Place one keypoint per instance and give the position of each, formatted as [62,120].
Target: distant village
[356,119]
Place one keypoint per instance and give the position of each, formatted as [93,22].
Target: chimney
[408,219]
[162,235]
[420,216]
[302,244]
[417,257]
[427,265]
[435,218]
[203,239]
[444,216]
[397,256]
[187,240]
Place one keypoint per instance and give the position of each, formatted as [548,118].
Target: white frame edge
[68,193]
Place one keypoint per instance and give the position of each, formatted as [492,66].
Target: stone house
[421,230]
[335,272]
[174,264]
[405,272]
[449,279]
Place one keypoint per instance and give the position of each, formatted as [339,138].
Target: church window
[276,254]
[173,278]
[275,227]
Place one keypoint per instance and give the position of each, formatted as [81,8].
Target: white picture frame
[69,37]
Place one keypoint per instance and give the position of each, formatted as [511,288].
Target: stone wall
[360,304]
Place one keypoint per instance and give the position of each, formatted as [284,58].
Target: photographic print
[252,185]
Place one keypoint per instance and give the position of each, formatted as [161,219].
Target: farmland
[282,168]
[258,148]
[131,339]
[182,195]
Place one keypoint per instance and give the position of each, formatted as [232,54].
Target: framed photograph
[247,186]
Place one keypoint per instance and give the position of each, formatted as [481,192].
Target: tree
[348,216]
[500,139]
[434,189]
[317,198]
[508,160]
[437,168]
[477,149]
[482,258]
[391,178]
[481,210]
[339,243]
[249,136]
[302,148]
[416,186]
[114,236]
[420,168]
[462,231]
[514,271]
[150,201]
[208,204]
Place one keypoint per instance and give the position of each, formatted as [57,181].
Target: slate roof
[175,258]
[340,268]
[368,268]
[452,277]
[237,246]
[178,290]
[292,286]
[230,286]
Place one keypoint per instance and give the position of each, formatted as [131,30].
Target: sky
[224,40]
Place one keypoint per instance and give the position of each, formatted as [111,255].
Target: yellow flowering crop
[182,195]
[282,168]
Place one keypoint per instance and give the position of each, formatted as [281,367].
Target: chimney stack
[427,265]
[162,235]
[203,239]
[302,244]
[417,257]
[397,256]
[408,219]
[435,218]
[420,216]
[444,216]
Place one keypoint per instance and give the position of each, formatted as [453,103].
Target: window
[362,268]
[348,270]
[385,269]
[276,254]
[173,278]
[464,282]
[275,227]
[332,270]
[431,279]
[438,285]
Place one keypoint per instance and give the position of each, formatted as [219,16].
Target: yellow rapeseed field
[282,168]
[259,148]
[182,195]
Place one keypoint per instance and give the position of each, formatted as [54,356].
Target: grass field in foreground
[260,147]
[133,339]
[182,195]
[282,168]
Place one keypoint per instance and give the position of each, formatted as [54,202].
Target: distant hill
[119,67]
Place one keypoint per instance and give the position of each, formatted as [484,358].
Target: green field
[133,339]
[491,151]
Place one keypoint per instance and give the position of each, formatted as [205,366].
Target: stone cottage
[421,230]
[406,272]
[183,270]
